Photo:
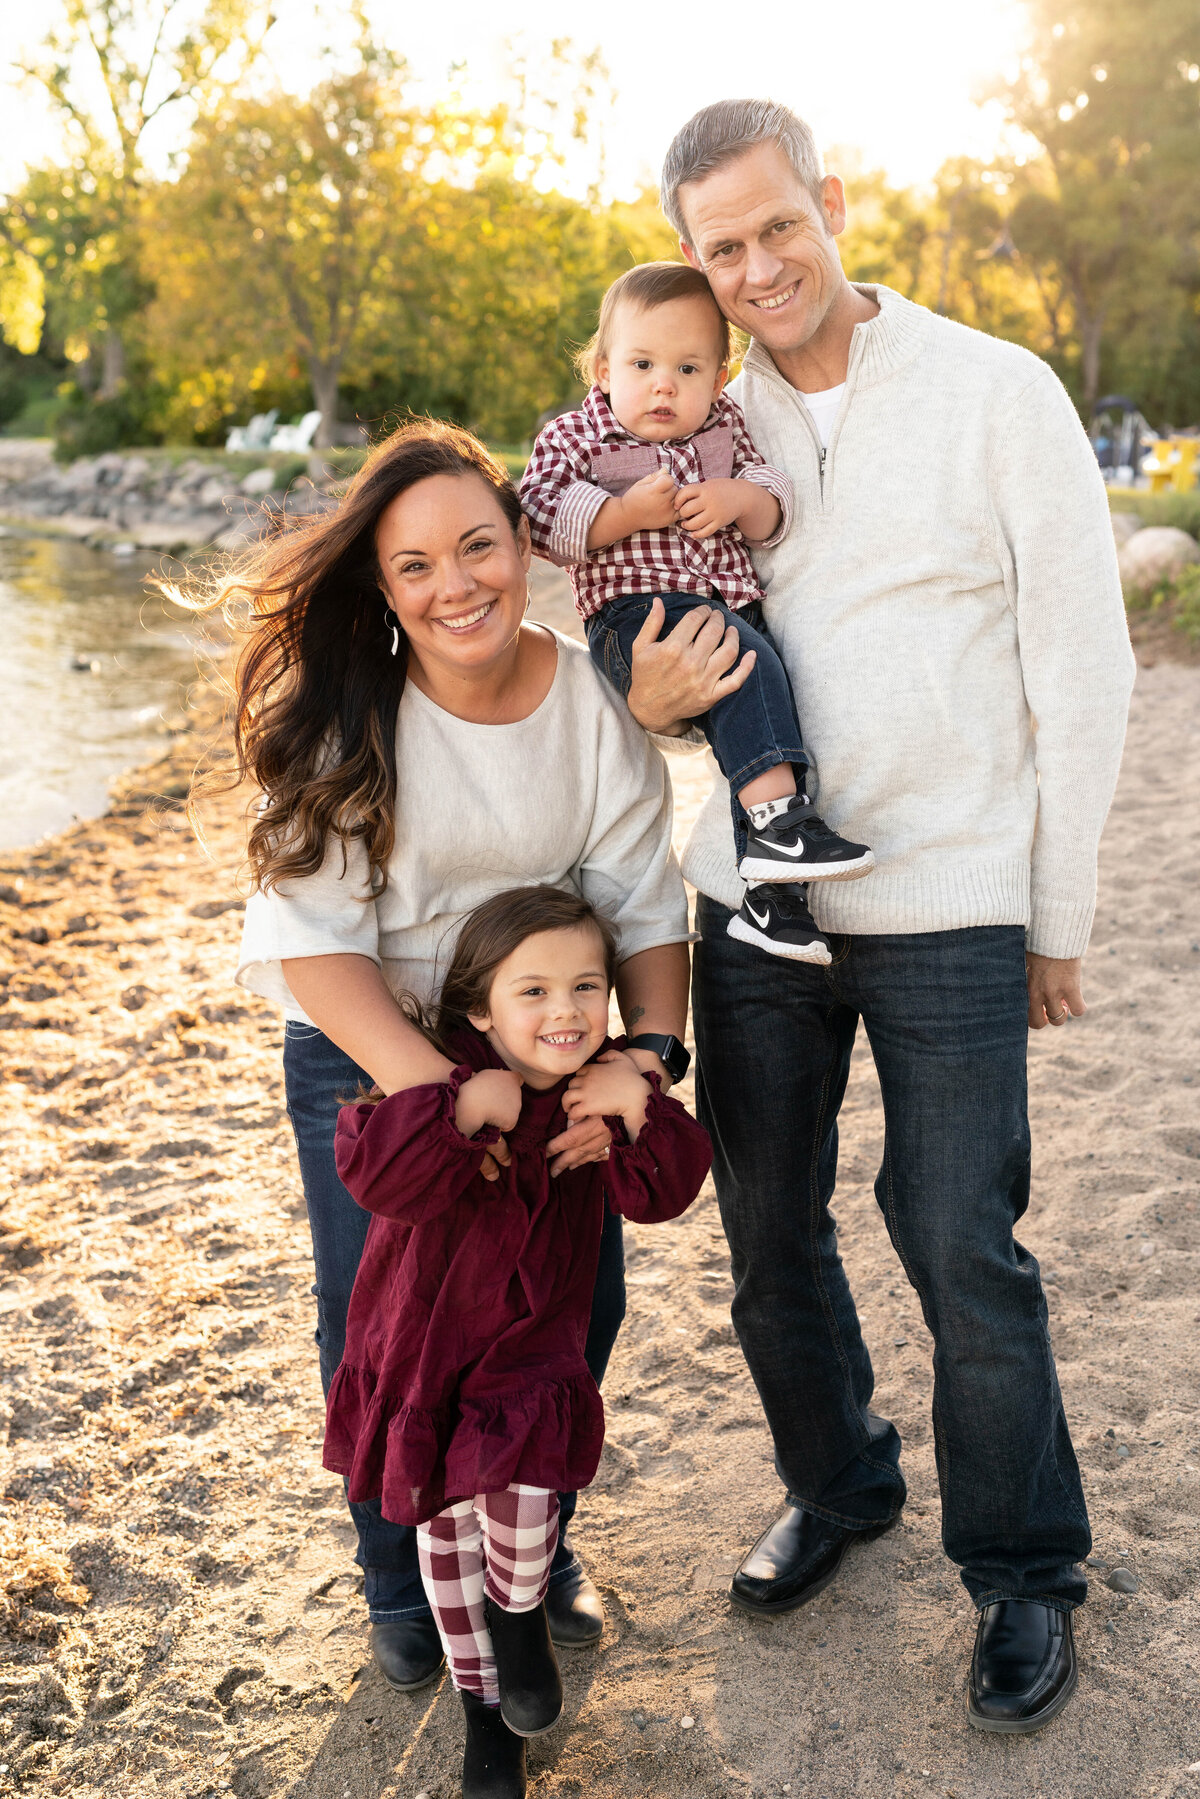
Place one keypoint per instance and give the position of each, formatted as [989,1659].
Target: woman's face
[454,572]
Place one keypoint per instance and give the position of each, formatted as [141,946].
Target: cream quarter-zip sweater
[948,608]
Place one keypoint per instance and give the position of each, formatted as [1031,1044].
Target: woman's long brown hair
[317,689]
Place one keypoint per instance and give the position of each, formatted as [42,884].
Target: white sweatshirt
[575,795]
[948,608]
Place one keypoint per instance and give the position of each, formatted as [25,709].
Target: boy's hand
[649,505]
[493,1096]
[710,505]
[611,1085]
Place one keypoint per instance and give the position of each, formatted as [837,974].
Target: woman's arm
[348,999]
[652,993]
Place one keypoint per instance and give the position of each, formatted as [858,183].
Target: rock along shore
[157,500]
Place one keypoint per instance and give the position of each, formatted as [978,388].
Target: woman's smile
[464,621]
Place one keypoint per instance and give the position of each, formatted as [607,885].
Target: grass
[1179,509]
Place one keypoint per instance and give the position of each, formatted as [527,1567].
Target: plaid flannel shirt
[583,457]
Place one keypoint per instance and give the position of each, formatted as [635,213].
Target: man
[949,613]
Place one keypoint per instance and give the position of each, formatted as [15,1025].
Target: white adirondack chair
[297,438]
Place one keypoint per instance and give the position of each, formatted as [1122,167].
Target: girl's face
[548,1006]
[454,572]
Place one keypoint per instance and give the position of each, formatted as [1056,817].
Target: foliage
[1179,509]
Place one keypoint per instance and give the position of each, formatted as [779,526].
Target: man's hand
[710,505]
[681,675]
[649,505]
[1054,990]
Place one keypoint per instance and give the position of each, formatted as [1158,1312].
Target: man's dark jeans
[749,731]
[318,1078]
[945,1013]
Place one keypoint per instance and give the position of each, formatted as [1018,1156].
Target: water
[67,730]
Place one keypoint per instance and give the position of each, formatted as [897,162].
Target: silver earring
[395,639]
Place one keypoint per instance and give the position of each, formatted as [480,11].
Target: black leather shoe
[575,1611]
[408,1652]
[793,1561]
[1023,1670]
[494,1759]
[531,1694]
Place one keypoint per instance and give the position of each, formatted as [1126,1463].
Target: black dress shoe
[531,1694]
[793,1561]
[494,1759]
[575,1611]
[408,1652]
[1023,1670]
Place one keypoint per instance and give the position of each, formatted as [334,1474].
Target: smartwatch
[669,1050]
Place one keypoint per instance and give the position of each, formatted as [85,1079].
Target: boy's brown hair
[648,284]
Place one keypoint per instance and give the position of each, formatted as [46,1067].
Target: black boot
[531,1695]
[494,1759]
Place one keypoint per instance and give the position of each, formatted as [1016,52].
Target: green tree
[1106,219]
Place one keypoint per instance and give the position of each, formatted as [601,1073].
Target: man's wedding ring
[1059,1016]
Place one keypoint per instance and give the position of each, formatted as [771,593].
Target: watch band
[675,1058]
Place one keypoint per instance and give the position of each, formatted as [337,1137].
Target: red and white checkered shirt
[584,457]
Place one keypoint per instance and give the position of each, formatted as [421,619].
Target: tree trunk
[1091,337]
[113,371]
[324,378]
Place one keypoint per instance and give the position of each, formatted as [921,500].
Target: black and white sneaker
[796,845]
[778,920]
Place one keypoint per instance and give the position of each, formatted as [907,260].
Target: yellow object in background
[1173,464]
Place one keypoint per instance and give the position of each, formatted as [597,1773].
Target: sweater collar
[878,347]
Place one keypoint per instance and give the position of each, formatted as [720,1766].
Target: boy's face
[548,1008]
[663,369]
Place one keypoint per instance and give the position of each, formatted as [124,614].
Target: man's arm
[1077,668]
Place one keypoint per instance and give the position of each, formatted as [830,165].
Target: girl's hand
[611,1084]
[493,1096]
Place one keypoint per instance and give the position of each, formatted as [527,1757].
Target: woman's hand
[681,675]
[611,1085]
[493,1096]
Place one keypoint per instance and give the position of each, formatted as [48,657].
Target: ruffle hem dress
[464,1368]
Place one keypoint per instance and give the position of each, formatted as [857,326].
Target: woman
[420,745]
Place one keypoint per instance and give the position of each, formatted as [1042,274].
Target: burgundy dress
[464,1367]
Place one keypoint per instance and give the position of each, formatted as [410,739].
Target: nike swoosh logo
[783,849]
[764,920]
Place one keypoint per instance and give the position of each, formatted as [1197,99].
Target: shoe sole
[414,1686]
[816,953]
[577,1642]
[1023,1727]
[793,1605]
[751,869]
[529,1734]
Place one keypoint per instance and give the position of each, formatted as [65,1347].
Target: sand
[182,1612]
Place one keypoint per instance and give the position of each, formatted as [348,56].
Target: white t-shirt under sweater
[575,795]
[948,608]
[824,408]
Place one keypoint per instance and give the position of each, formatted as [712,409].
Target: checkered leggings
[500,1544]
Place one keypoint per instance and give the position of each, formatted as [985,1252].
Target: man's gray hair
[719,133]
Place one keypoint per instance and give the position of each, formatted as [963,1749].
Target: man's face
[769,251]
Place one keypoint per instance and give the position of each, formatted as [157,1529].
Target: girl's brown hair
[649,284]
[488,936]
[317,689]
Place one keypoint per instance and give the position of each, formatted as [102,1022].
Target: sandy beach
[182,1611]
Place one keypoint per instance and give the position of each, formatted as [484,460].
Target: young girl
[654,489]
[463,1400]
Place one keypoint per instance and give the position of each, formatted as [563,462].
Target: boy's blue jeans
[749,731]
[946,1017]
[318,1079]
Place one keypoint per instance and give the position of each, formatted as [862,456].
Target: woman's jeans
[749,731]
[318,1079]
[946,1016]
